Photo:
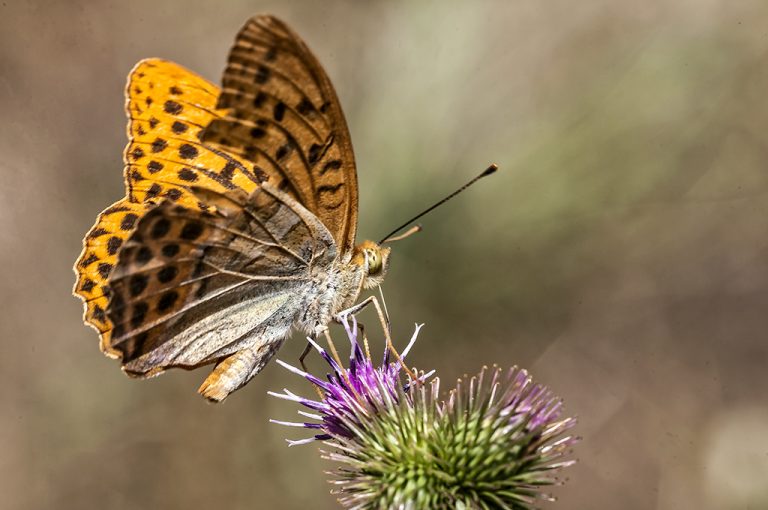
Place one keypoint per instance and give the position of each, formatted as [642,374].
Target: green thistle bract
[493,443]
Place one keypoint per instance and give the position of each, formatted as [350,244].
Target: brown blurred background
[620,254]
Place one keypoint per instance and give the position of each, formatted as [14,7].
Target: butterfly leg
[234,371]
[307,349]
[384,326]
[355,309]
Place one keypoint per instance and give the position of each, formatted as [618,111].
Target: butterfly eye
[374,261]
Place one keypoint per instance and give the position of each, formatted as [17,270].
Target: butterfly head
[374,259]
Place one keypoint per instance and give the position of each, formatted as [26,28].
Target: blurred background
[620,253]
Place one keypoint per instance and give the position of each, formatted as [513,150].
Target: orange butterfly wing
[168,107]
[99,256]
[284,116]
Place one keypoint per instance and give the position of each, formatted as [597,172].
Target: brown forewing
[284,116]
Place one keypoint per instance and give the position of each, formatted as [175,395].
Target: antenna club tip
[491,169]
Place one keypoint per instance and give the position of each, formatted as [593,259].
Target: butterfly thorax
[337,288]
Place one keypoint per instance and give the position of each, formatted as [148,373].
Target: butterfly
[239,219]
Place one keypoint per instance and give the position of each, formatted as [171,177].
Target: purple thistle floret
[349,394]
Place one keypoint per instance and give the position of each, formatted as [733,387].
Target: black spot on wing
[228,171]
[259,100]
[283,151]
[89,260]
[98,313]
[153,191]
[314,153]
[167,274]
[114,244]
[104,269]
[333,189]
[140,310]
[161,227]
[170,250]
[191,230]
[154,167]
[305,106]
[167,300]
[260,174]
[137,153]
[97,233]
[186,174]
[137,284]
[172,107]
[178,127]
[128,221]
[278,112]
[143,256]
[173,194]
[159,145]
[334,164]
[116,209]
[187,151]
[262,74]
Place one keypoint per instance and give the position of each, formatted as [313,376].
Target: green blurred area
[619,254]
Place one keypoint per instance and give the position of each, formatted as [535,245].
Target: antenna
[488,171]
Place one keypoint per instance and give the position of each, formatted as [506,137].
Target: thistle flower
[492,443]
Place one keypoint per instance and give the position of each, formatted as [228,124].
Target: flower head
[351,395]
[492,443]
